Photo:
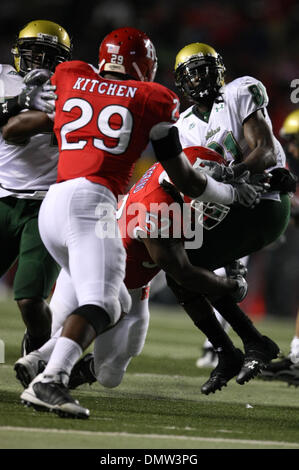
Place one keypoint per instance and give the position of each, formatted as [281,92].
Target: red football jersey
[145,209]
[102,125]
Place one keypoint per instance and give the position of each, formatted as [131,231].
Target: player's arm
[25,125]
[259,137]
[194,183]
[170,255]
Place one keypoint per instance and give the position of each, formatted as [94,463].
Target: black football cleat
[290,375]
[53,396]
[257,356]
[82,372]
[229,365]
[275,367]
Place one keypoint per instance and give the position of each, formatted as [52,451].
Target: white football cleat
[28,367]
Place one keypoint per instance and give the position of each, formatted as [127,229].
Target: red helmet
[128,51]
[210,214]
[200,154]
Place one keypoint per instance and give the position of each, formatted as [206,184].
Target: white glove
[41,98]
[246,194]
[219,171]
[37,77]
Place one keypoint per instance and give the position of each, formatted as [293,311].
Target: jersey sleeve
[251,96]
[164,104]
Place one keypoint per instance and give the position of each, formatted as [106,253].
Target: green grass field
[159,404]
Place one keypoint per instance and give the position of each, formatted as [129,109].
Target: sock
[47,348]
[238,320]
[64,356]
[201,312]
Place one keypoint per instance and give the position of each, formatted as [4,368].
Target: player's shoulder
[158,91]
[241,83]
[77,66]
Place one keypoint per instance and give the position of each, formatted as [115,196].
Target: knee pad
[96,316]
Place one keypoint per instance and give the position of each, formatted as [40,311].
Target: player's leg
[199,309]
[9,234]
[35,277]
[209,356]
[96,264]
[62,303]
[114,349]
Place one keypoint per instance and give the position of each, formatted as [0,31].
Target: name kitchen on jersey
[104,88]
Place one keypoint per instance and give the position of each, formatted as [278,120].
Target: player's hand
[248,195]
[240,293]
[37,77]
[236,268]
[219,172]
[41,98]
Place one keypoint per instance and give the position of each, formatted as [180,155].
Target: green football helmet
[199,71]
[41,44]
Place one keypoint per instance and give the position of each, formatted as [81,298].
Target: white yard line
[149,436]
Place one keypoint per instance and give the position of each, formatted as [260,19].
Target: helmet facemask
[35,54]
[200,78]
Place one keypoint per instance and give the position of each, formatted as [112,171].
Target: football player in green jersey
[232,119]
[27,168]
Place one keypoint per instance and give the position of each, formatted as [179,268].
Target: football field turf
[159,404]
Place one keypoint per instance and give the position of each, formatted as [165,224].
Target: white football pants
[78,226]
[114,349]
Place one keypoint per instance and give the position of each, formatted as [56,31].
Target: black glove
[282,180]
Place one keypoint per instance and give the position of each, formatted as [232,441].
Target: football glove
[241,290]
[37,77]
[223,173]
[41,98]
[248,195]
[236,268]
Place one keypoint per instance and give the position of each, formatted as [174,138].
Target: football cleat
[257,357]
[229,365]
[274,367]
[53,396]
[82,372]
[209,358]
[28,367]
[290,375]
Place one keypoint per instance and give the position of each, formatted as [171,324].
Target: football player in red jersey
[114,349]
[150,197]
[103,121]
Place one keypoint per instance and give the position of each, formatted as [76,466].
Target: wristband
[217,192]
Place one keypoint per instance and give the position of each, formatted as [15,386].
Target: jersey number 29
[121,134]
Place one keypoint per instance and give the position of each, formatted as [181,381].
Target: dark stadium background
[258,38]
